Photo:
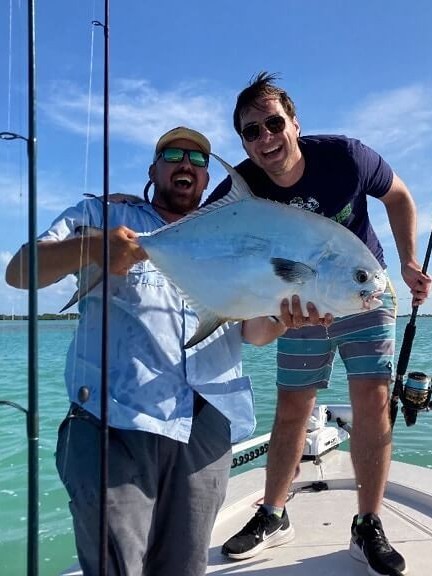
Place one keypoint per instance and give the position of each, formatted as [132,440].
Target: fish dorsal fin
[239,188]
[239,191]
[292,271]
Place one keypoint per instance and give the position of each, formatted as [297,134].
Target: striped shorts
[365,342]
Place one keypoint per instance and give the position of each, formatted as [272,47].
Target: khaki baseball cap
[186,134]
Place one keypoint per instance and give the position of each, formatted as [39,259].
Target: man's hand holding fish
[124,250]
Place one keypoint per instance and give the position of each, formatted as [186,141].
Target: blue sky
[358,68]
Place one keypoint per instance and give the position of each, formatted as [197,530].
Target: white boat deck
[322,521]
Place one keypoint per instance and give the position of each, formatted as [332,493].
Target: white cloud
[4,259]
[54,192]
[12,301]
[424,219]
[398,124]
[54,297]
[50,299]
[396,121]
[140,113]
[13,189]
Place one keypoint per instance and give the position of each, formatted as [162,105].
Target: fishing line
[15,182]
[89,103]
[85,215]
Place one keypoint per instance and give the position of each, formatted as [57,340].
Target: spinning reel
[415,396]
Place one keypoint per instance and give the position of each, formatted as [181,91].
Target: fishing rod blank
[104,437]
[32,412]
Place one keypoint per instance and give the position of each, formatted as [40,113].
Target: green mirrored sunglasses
[175,155]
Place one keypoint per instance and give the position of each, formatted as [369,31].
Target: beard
[175,200]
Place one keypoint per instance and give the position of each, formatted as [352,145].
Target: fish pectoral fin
[208,323]
[93,280]
[71,302]
[292,271]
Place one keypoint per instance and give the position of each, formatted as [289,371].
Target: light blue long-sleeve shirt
[152,377]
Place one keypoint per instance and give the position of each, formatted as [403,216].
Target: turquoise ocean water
[413,445]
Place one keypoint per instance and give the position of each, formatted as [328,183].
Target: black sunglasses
[274,124]
[176,155]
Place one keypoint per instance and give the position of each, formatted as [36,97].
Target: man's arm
[57,259]
[402,216]
[263,330]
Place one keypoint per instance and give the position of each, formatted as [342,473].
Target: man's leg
[304,363]
[191,492]
[370,441]
[266,530]
[131,493]
[371,454]
[367,350]
[287,442]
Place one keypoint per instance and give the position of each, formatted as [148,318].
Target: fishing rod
[416,394]
[32,411]
[104,395]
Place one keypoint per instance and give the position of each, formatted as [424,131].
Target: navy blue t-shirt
[339,174]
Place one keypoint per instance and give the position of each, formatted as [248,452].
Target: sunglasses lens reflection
[274,124]
[198,158]
[176,155]
[251,132]
[173,154]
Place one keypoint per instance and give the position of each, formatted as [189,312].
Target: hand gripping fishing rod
[416,394]
[32,412]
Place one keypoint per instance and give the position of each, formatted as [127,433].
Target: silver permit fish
[239,257]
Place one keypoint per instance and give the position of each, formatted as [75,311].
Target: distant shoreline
[418,315]
[71,316]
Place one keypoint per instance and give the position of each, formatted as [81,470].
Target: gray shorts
[163,495]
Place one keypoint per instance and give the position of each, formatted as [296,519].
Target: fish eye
[361,276]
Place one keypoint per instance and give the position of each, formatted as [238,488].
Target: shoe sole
[281,537]
[357,553]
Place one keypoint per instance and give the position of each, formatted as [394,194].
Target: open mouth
[273,151]
[183,181]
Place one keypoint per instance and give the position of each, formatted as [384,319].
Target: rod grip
[405,350]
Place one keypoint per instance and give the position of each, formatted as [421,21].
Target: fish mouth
[371,299]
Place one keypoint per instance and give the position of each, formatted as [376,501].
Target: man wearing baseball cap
[179,168]
[182,133]
[170,409]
